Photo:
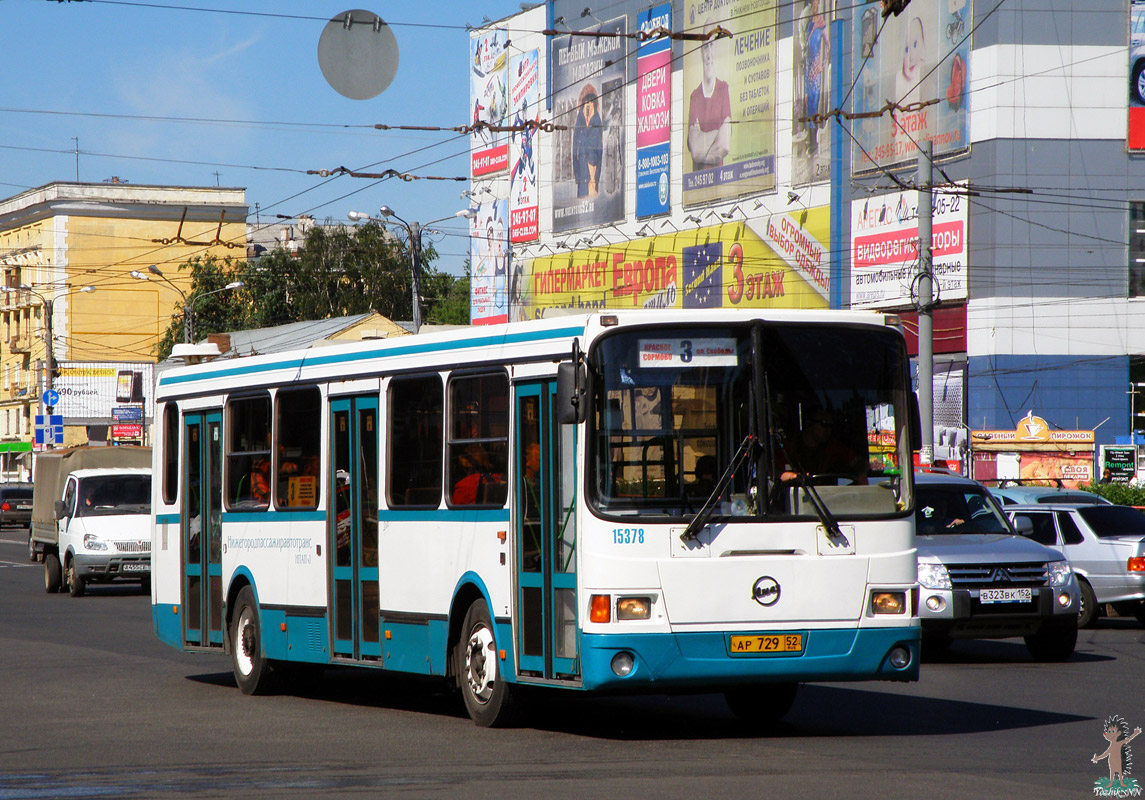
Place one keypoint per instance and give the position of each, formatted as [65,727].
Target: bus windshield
[768,408]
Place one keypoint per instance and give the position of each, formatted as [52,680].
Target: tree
[337,272]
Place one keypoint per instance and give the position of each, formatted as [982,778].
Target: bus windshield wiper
[705,513]
[830,524]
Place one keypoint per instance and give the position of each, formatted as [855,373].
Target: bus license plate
[768,643]
[1006,595]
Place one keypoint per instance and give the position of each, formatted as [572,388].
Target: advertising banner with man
[884,255]
[653,114]
[920,61]
[489,255]
[589,81]
[523,94]
[489,151]
[729,100]
[778,262]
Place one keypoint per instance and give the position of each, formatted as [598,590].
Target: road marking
[15,564]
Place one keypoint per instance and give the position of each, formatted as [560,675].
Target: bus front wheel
[252,671]
[488,697]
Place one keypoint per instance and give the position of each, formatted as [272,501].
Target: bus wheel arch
[490,700]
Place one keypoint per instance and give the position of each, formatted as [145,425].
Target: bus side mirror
[572,391]
[60,510]
[914,423]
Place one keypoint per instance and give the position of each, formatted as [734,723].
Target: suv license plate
[1006,595]
[129,567]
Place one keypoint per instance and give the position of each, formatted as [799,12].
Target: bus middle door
[353,526]
[545,528]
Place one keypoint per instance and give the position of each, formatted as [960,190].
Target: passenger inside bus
[480,482]
[818,450]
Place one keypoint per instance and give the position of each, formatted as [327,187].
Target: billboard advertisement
[524,107]
[1137,75]
[488,98]
[777,262]
[489,256]
[588,100]
[920,61]
[729,100]
[811,93]
[653,114]
[92,390]
[884,249]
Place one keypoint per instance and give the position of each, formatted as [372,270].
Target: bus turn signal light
[600,608]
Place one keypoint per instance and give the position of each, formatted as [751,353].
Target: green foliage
[337,272]
[1121,493]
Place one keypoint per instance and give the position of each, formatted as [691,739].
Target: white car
[1105,546]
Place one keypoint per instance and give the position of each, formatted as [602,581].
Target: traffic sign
[51,397]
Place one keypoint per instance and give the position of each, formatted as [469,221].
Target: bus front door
[201,530]
[352,550]
[545,528]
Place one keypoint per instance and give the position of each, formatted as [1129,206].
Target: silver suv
[979,580]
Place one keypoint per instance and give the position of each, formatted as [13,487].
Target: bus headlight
[888,602]
[1059,573]
[933,576]
[634,608]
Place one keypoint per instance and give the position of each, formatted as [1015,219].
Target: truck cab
[103,527]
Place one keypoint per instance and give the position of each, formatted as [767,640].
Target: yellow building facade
[67,254]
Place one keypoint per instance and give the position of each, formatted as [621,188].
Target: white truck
[91,516]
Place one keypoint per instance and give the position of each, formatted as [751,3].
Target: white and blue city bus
[622,501]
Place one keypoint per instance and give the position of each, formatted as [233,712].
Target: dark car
[16,504]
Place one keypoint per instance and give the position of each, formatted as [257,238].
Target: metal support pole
[415,252]
[187,325]
[925,304]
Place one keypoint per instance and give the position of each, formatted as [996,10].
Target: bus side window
[478,440]
[414,459]
[248,453]
[298,417]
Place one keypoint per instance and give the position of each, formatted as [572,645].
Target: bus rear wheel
[489,699]
[251,668]
[763,704]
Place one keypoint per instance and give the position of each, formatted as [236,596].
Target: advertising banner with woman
[589,82]
[729,100]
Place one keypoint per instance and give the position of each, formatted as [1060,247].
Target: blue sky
[103,70]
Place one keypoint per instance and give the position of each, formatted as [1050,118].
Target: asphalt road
[92,705]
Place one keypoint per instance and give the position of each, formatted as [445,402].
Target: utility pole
[415,253]
[925,304]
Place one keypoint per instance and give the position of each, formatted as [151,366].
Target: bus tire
[761,704]
[53,574]
[253,672]
[489,699]
[76,585]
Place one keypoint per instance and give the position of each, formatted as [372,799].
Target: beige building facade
[67,254]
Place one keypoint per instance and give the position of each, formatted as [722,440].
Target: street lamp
[414,229]
[48,304]
[188,301]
